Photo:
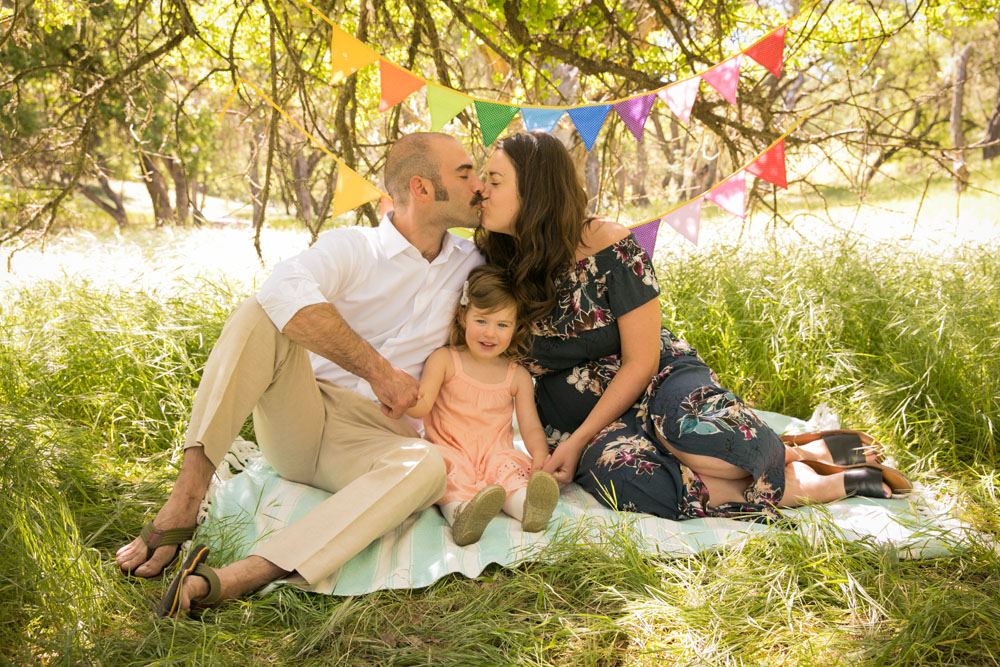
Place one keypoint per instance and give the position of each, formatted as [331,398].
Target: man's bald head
[415,155]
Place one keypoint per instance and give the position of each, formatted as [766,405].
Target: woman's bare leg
[707,466]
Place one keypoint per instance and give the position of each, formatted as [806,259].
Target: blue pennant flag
[540,119]
[589,121]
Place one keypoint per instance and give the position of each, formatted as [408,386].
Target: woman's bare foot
[818,450]
[804,485]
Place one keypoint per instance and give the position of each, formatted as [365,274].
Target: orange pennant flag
[347,54]
[351,191]
[397,84]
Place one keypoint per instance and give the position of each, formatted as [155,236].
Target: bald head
[415,155]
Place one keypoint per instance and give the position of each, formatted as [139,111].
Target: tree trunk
[300,188]
[639,196]
[254,175]
[993,132]
[182,200]
[157,188]
[592,174]
[116,209]
[957,128]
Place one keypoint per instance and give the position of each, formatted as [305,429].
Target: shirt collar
[394,243]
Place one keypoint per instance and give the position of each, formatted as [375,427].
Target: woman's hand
[561,464]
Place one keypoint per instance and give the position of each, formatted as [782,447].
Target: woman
[676,446]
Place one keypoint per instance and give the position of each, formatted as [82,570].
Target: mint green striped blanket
[252,504]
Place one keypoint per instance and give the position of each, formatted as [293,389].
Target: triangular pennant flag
[397,84]
[724,77]
[679,97]
[634,112]
[771,165]
[731,194]
[351,191]
[645,234]
[770,51]
[444,104]
[589,121]
[540,119]
[347,55]
[493,119]
[686,220]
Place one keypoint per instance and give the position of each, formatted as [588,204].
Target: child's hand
[538,462]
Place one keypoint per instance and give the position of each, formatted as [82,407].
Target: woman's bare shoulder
[598,235]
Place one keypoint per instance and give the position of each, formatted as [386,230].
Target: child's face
[487,334]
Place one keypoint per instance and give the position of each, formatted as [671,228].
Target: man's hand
[561,464]
[397,391]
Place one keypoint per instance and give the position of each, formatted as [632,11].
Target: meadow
[104,337]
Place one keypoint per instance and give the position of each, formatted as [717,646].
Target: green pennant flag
[445,104]
[494,119]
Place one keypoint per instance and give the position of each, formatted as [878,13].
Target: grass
[96,378]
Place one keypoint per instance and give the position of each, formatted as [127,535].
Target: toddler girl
[469,391]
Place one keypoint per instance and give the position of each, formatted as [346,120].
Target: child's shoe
[540,500]
[472,518]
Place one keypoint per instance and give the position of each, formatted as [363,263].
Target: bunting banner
[493,119]
[351,191]
[679,97]
[634,113]
[347,54]
[541,119]
[731,194]
[589,121]
[645,234]
[770,51]
[771,165]
[725,77]
[444,104]
[397,84]
[686,220]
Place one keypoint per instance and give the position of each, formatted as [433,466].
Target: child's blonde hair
[488,289]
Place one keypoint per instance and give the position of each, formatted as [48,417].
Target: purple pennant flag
[645,234]
[634,112]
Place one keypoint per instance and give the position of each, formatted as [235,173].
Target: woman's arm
[530,426]
[640,336]
[435,371]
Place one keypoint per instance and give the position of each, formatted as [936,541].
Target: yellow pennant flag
[347,54]
[351,191]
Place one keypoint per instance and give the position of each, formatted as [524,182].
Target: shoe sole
[473,518]
[539,502]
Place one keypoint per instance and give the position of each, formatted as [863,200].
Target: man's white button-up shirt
[383,288]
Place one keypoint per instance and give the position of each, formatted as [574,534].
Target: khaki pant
[317,433]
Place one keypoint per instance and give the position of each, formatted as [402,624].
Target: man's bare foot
[180,510]
[235,580]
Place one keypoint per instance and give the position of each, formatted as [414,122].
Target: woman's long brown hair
[549,225]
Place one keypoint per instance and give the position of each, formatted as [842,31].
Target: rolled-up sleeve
[316,275]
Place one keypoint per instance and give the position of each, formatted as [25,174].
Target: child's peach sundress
[471,423]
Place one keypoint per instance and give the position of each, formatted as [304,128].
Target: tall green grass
[96,382]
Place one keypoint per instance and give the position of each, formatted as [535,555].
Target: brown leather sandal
[858,481]
[194,565]
[846,447]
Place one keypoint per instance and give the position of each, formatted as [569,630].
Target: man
[370,305]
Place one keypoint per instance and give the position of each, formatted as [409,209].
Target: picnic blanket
[246,507]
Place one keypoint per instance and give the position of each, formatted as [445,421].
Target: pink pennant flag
[686,220]
[724,77]
[731,194]
[634,112]
[679,97]
[770,51]
[771,165]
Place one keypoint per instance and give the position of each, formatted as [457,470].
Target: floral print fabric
[576,352]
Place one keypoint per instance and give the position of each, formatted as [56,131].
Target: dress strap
[510,374]
[457,359]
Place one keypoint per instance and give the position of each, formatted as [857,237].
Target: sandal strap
[845,448]
[864,481]
[214,586]
[154,537]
